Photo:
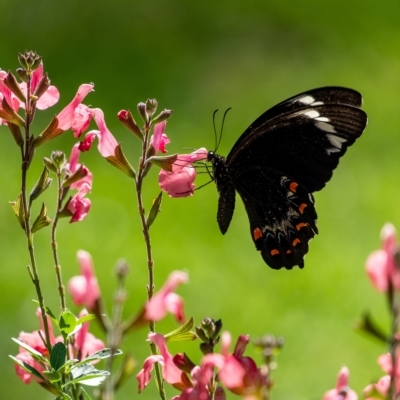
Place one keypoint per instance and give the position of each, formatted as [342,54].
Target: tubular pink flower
[84,288]
[179,182]
[159,139]
[342,390]
[165,300]
[86,344]
[66,116]
[170,371]
[82,118]
[48,98]
[35,341]
[79,205]
[107,142]
[231,373]
[5,93]
[73,166]
[381,265]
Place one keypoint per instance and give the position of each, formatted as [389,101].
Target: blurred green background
[194,57]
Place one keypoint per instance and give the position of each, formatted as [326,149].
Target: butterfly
[284,156]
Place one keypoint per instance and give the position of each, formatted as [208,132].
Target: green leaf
[183,333]
[67,323]
[52,376]
[87,375]
[28,368]
[58,355]
[41,185]
[155,209]
[18,210]
[42,220]
[104,353]
[28,348]
[85,318]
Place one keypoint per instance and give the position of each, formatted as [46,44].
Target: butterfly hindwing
[282,216]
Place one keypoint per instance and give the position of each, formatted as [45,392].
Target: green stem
[26,160]
[114,334]
[150,262]
[54,246]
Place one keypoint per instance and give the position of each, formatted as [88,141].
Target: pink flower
[85,343]
[179,182]
[5,93]
[66,117]
[79,205]
[35,341]
[381,264]
[84,288]
[239,374]
[170,372]
[73,166]
[165,300]
[159,138]
[381,388]
[48,98]
[107,142]
[342,390]
[82,118]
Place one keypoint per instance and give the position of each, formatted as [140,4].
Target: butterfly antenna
[215,130]
[222,126]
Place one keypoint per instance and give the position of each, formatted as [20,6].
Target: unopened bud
[22,75]
[151,107]
[42,86]
[142,112]
[127,119]
[164,115]
[59,159]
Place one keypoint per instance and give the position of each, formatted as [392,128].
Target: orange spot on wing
[293,186]
[288,251]
[257,234]
[300,225]
[274,252]
[302,207]
[296,241]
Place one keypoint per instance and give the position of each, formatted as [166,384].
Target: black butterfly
[289,152]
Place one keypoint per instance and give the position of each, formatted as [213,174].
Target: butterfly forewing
[285,155]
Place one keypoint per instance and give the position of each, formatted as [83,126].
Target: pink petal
[79,206]
[376,266]
[107,142]
[159,304]
[48,98]
[82,118]
[175,305]
[179,182]
[66,116]
[171,373]
[73,166]
[159,138]
[144,374]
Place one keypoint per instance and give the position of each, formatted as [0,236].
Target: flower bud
[42,86]
[29,60]
[22,75]
[164,115]
[142,112]
[183,362]
[151,107]
[11,82]
[59,159]
[127,119]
